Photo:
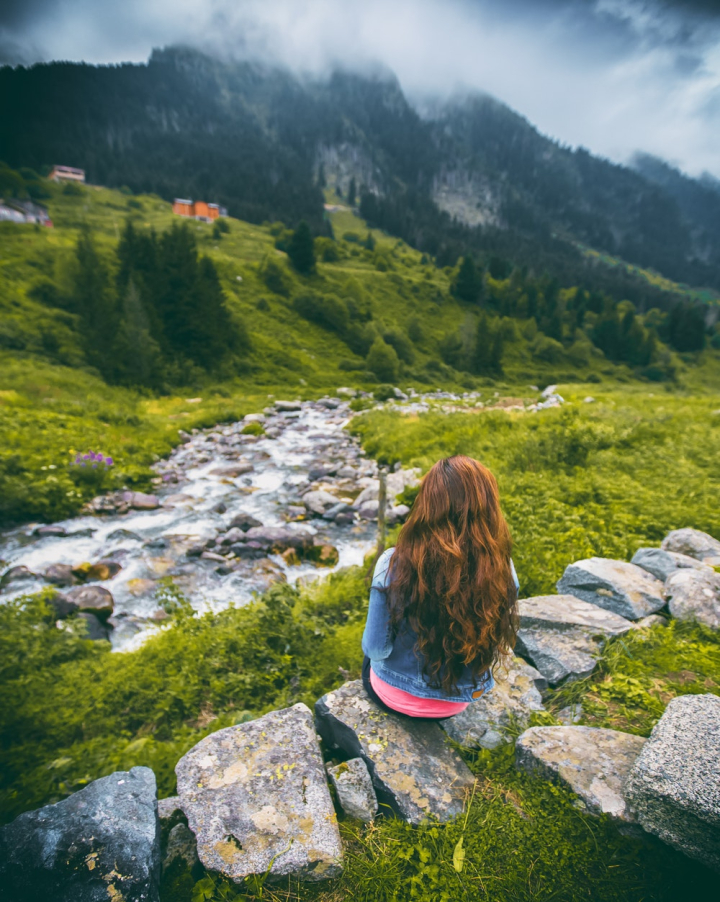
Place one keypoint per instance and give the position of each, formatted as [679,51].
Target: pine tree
[301,249]
[468,282]
[484,352]
[95,303]
[136,354]
[352,192]
[382,360]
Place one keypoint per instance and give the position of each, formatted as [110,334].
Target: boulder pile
[262,797]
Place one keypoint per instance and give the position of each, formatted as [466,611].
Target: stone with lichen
[593,762]
[103,842]
[490,721]
[354,789]
[414,770]
[256,798]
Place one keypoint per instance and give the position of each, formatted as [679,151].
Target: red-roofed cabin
[183,207]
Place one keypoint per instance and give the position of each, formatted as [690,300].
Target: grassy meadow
[589,478]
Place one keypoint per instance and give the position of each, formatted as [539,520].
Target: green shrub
[327,311]
[383,361]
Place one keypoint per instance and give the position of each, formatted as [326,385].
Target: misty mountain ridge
[468,174]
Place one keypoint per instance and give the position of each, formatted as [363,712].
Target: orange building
[198,209]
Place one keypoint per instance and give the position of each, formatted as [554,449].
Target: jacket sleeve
[377,639]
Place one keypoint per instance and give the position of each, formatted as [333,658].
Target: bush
[275,277]
[402,345]
[383,361]
[384,393]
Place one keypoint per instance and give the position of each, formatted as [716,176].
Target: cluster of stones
[254,798]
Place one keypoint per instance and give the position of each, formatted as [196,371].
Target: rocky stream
[233,513]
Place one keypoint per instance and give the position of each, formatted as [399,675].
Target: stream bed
[226,505]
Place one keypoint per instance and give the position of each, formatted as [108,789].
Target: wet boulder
[368,510]
[278,538]
[325,555]
[618,586]
[414,770]
[102,570]
[103,842]
[486,723]
[60,575]
[16,575]
[288,406]
[674,783]
[244,522]
[593,762]
[700,545]
[354,789]
[139,501]
[317,502]
[695,595]
[95,629]
[256,798]
[661,564]
[563,635]
[92,600]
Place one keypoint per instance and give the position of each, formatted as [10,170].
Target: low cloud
[615,76]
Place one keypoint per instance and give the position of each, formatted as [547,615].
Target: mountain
[469,175]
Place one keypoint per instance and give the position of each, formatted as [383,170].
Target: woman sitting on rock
[443,601]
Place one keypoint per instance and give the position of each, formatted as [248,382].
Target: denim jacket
[394,660]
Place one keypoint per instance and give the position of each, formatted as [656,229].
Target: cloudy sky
[615,76]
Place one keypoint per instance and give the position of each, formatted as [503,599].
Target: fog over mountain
[616,76]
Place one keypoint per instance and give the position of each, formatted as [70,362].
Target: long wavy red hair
[450,573]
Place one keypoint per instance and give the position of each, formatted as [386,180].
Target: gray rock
[415,772]
[168,807]
[398,513]
[318,502]
[694,543]
[662,563]
[615,585]
[15,575]
[287,406]
[92,600]
[354,789]
[256,798]
[566,612]
[368,510]
[120,534]
[675,782]
[95,629]
[279,538]
[244,522]
[181,845]
[560,655]
[60,575]
[563,635]
[592,762]
[488,721]
[233,535]
[340,508]
[695,595]
[139,501]
[100,844]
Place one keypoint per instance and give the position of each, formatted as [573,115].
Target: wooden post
[382,505]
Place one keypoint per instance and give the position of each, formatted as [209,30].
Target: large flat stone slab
[700,545]
[487,722]
[102,843]
[413,768]
[562,635]
[256,798]
[620,587]
[661,564]
[675,782]
[560,655]
[594,763]
[695,595]
[567,612]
